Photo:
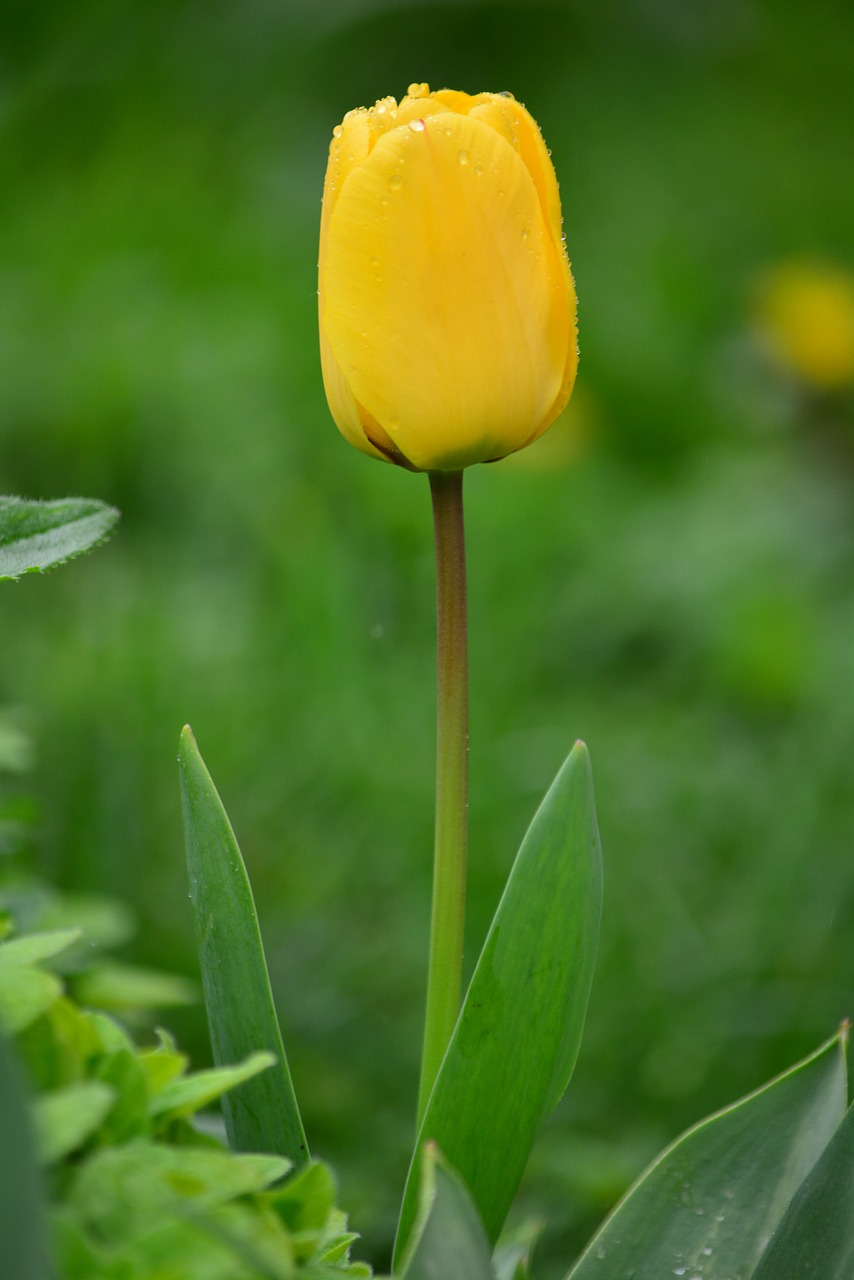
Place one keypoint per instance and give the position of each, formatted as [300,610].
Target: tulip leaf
[262,1113]
[447,1238]
[815,1239]
[22,1228]
[35,536]
[516,1041]
[708,1205]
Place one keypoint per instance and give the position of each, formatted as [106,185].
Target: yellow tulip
[447,307]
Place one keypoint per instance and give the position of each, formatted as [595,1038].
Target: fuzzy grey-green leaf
[35,536]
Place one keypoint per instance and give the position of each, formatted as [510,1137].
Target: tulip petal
[443,294]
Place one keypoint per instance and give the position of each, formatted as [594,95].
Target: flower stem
[444,980]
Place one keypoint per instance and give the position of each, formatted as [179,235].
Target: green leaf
[117,987]
[191,1093]
[38,535]
[25,994]
[815,1239]
[708,1205]
[123,1192]
[448,1239]
[66,1117]
[517,1038]
[23,1247]
[262,1114]
[36,946]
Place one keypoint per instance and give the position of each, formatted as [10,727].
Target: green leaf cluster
[137,1182]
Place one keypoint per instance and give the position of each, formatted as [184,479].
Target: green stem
[444,980]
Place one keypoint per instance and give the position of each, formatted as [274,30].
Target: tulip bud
[447,307]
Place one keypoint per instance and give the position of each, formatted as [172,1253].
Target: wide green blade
[517,1038]
[708,1205]
[815,1239]
[262,1114]
[23,1245]
[448,1239]
[38,535]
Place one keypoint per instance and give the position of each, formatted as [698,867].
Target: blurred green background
[668,574]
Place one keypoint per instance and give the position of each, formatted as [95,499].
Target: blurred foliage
[668,574]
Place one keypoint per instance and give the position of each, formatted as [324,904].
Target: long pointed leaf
[448,1239]
[815,1240]
[38,535]
[262,1114]
[708,1205]
[517,1038]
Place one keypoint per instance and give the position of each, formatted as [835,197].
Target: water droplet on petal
[463,156]
[478,169]
[417,126]
[524,233]
[337,131]
[396,181]
[505,93]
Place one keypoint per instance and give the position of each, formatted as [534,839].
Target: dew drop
[707,1251]
[505,93]
[337,131]
[381,108]
[679,1271]
[463,156]
[417,126]
[478,170]
[524,233]
[396,181]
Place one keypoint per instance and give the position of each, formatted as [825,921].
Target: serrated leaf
[25,994]
[66,1117]
[815,1238]
[262,1115]
[36,946]
[448,1239]
[190,1093]
[35,536]
[23,1242]
[708,1205]
[517,1037]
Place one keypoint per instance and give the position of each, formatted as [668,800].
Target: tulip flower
[447,307]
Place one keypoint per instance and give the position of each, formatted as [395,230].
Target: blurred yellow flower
[447,307]
[805,312]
